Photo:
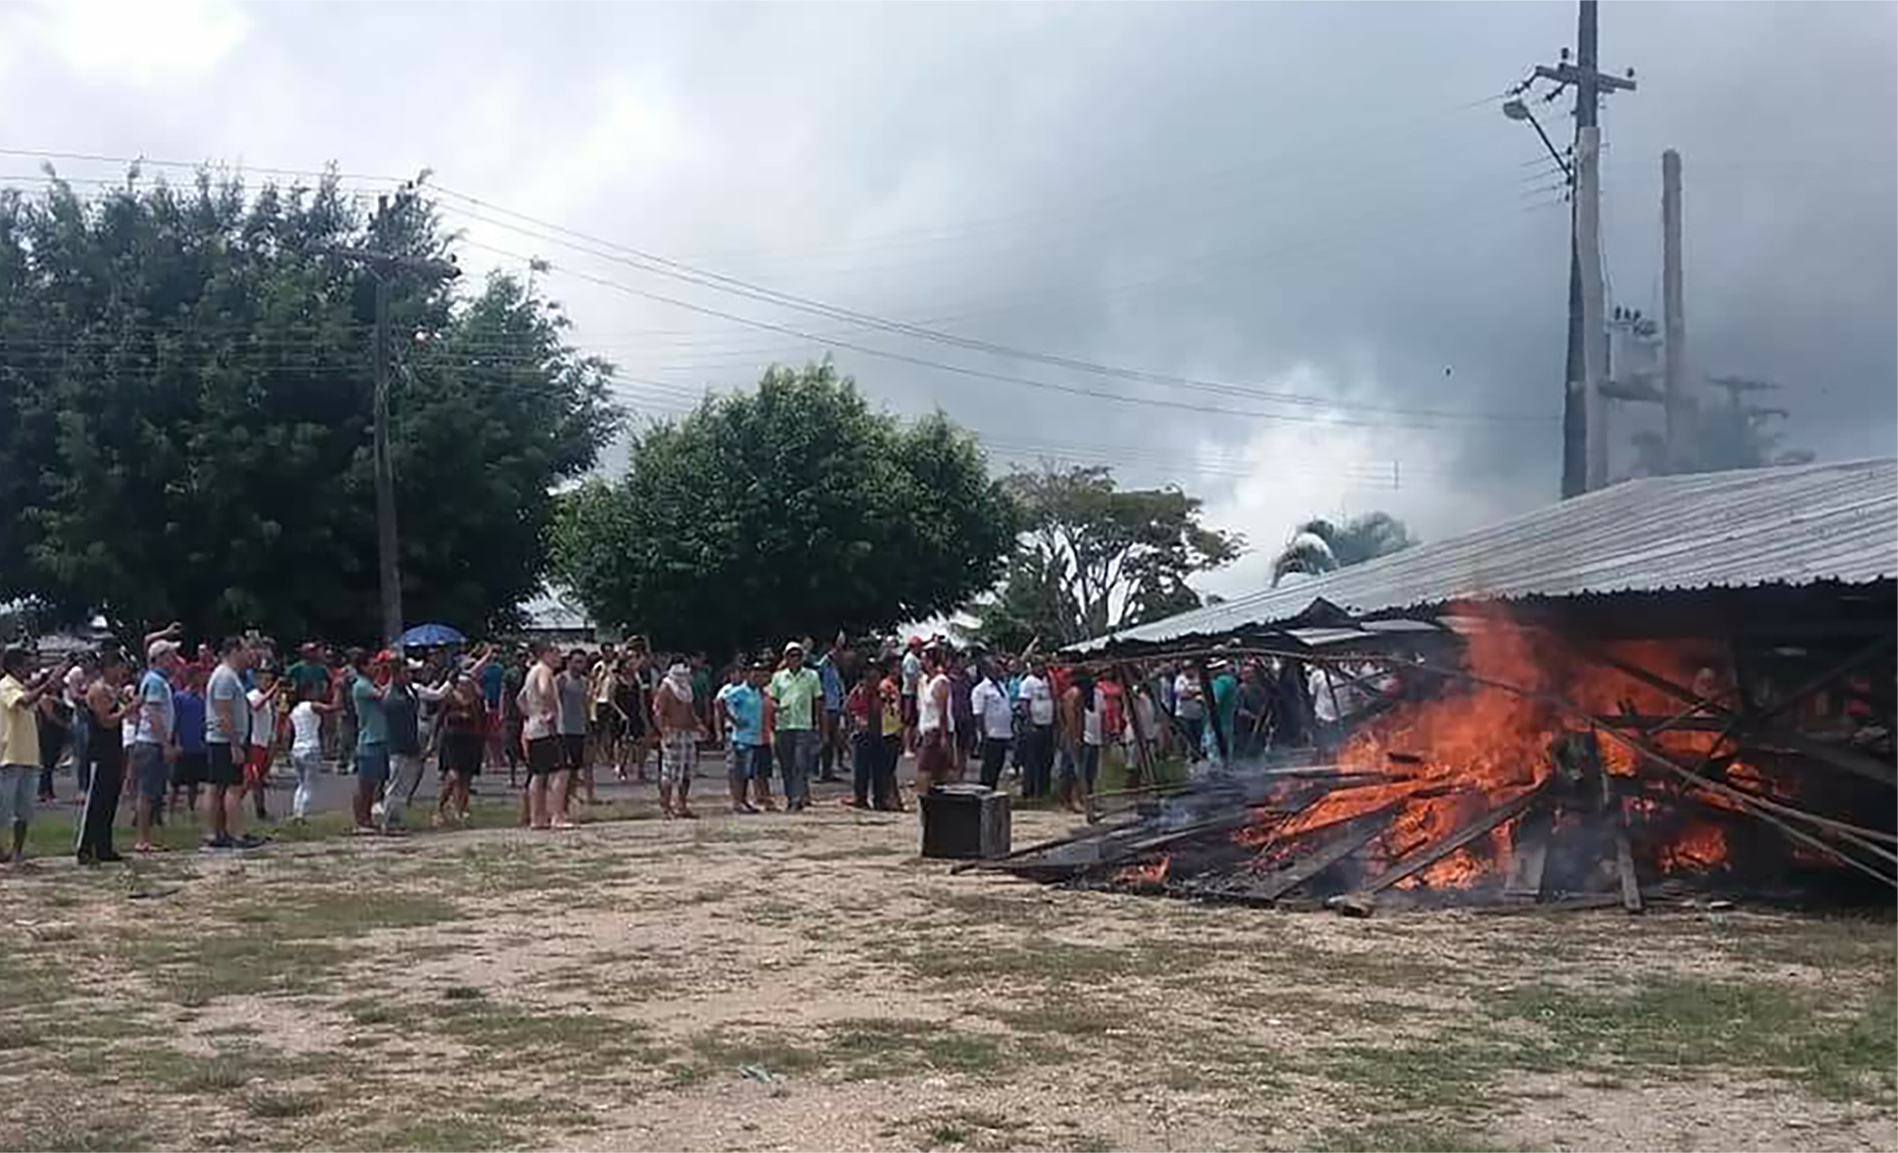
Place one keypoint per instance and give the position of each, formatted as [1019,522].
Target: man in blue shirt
[743,705]
[831,677]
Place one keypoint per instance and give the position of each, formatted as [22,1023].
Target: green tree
[788,510]
[1319,546]
[1095,557]
[185,382]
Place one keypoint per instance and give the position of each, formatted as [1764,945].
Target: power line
[960,370]
[733,285]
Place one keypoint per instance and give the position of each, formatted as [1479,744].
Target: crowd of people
[199,734]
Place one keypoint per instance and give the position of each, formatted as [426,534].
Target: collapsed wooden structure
[1680,688]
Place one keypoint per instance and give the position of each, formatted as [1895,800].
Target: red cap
[916,642]
[385,657]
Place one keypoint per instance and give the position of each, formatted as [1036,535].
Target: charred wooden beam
[1431,854]
[1355,834]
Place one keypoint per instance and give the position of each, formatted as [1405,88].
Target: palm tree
[1319,546]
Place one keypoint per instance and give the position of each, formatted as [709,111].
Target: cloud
[1309,199]
[136,42]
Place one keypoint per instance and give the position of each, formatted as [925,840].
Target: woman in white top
[306,749]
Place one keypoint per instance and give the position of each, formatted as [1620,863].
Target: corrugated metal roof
[1770,526]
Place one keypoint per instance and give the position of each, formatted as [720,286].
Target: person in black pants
[107,702]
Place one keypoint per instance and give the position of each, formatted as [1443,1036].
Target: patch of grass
[727,1049]
[1012,961]
[1669,1024]
[444,1130]
[970,1129]
[283,1106]
[515,1034]
[98,1128]
[873,1048]
[1067,1018]
[1412,1135]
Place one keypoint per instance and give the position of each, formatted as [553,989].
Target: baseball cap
[790,645]
[160,649]
[385,657]
[916,642]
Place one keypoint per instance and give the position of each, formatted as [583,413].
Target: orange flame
[1151,873]
[1470,747]
[1701,848]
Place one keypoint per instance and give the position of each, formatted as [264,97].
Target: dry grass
[809,984]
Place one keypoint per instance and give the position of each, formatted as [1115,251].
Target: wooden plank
[1355,834]
[1624,865]
[1431,854]
[1531,856]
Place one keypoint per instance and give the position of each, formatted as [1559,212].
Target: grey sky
[1318,199]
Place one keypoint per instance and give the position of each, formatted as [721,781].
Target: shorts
[188,771]
[17,785]
[544,756]
[933,759]
[908,709]
[149,770]
[573,751]
[257,765]
[221,768]
[607,727]
[678,756]
[372,764]
[461,754]
[747,763]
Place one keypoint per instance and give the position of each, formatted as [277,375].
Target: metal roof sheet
[1756,527]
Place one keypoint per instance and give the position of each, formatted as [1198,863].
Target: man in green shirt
[794,691]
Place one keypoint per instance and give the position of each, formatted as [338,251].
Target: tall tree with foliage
[185,385]
[787,510]
[1320,546]
[1095,557]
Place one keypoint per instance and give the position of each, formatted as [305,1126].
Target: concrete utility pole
[1589,85]
[1594,332]
[383,265]
[1679,436]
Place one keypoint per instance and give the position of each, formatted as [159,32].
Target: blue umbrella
[429,636]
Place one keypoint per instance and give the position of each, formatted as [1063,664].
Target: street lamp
[1516,110]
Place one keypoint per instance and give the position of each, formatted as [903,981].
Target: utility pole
[383,266]
[1679,436]
[1578,431]
[1594,333]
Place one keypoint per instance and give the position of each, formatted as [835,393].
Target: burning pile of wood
[1527,773]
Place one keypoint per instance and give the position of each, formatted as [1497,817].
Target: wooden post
[1132,698]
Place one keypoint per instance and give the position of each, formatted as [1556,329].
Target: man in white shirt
[1189,709]
[995,722]
[1038,736]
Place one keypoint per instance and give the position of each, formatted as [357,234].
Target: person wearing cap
[795,692]
[368,695]
[20,695]
[154,737]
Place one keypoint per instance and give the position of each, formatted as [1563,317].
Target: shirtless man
[679,729]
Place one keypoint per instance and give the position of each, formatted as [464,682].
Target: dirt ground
[809,983]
